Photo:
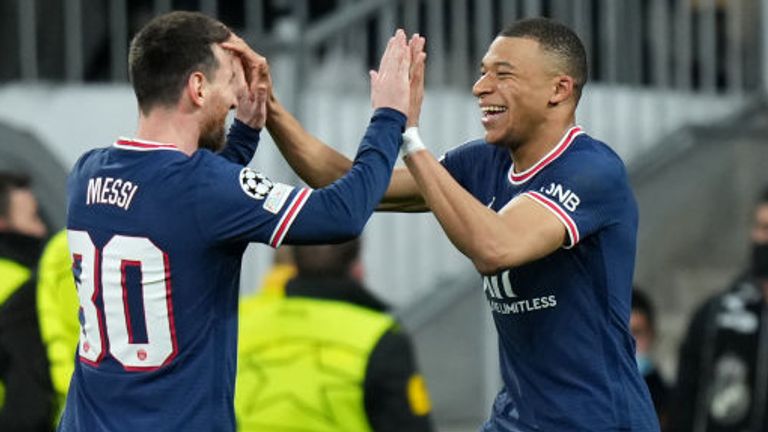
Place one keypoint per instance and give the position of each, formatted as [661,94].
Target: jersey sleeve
[455,162]
[242,142]
[584,194]
[339,211]
[236,203]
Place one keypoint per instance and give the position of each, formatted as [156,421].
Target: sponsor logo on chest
[504,300]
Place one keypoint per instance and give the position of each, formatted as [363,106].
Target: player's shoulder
[471,150]
[472,146]
[207,160]
[89,162]
[591,155]
[223,177]
[90,155]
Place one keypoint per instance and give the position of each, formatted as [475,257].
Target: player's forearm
[403,194]
[315,162]
[477,231]
[339,211]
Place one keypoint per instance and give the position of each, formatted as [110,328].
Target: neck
[170,126]
[539,142]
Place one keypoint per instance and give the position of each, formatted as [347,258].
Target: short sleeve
[585,194]
[466,164]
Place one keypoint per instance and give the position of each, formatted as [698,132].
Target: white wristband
[411,142]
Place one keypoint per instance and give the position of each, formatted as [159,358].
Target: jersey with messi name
[157,239]
[566,353]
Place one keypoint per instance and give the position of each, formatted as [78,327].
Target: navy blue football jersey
[157,239]
[566,353]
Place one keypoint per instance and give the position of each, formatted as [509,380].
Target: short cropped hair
[558,40]
[8,183]
[642,304]
[167,50]
[326,260]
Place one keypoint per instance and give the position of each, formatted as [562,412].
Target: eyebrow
[500,63]
[504,63]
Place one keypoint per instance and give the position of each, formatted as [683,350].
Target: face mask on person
[760,260]
[644,364]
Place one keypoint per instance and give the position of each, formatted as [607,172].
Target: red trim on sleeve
[288,217]
[570,225]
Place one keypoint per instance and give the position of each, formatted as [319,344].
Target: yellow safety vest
[57,308]
[302,363]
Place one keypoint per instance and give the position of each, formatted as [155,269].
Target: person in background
[326,356]
[25,389]
[722,381]
[642,323]
[283,269]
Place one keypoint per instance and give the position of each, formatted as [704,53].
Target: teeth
[493,109]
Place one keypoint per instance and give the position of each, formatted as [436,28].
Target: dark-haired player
[157,226]
[546,214]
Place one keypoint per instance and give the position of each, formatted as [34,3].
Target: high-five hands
[418,60]
[390,85]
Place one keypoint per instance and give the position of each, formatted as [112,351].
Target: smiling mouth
[492,112]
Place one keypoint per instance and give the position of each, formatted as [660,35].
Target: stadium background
[677,89]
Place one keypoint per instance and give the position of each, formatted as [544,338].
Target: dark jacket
[23,363]
[391,365]
[723,367]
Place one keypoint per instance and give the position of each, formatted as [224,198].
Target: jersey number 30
[106,269]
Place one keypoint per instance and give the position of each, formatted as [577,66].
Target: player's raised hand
[251,107]
[418,62]
[390,86]
[255,65]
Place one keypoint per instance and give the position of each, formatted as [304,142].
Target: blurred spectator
[283,269]
[723,369]
[642,323]
[58,306]
[24,383]
[326,356]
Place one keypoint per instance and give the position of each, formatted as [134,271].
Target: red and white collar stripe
[560,148]
[143,145]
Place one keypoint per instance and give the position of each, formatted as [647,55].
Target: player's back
[158,297]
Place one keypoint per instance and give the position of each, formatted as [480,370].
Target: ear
[197,88]
[562,89]
[5,225]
